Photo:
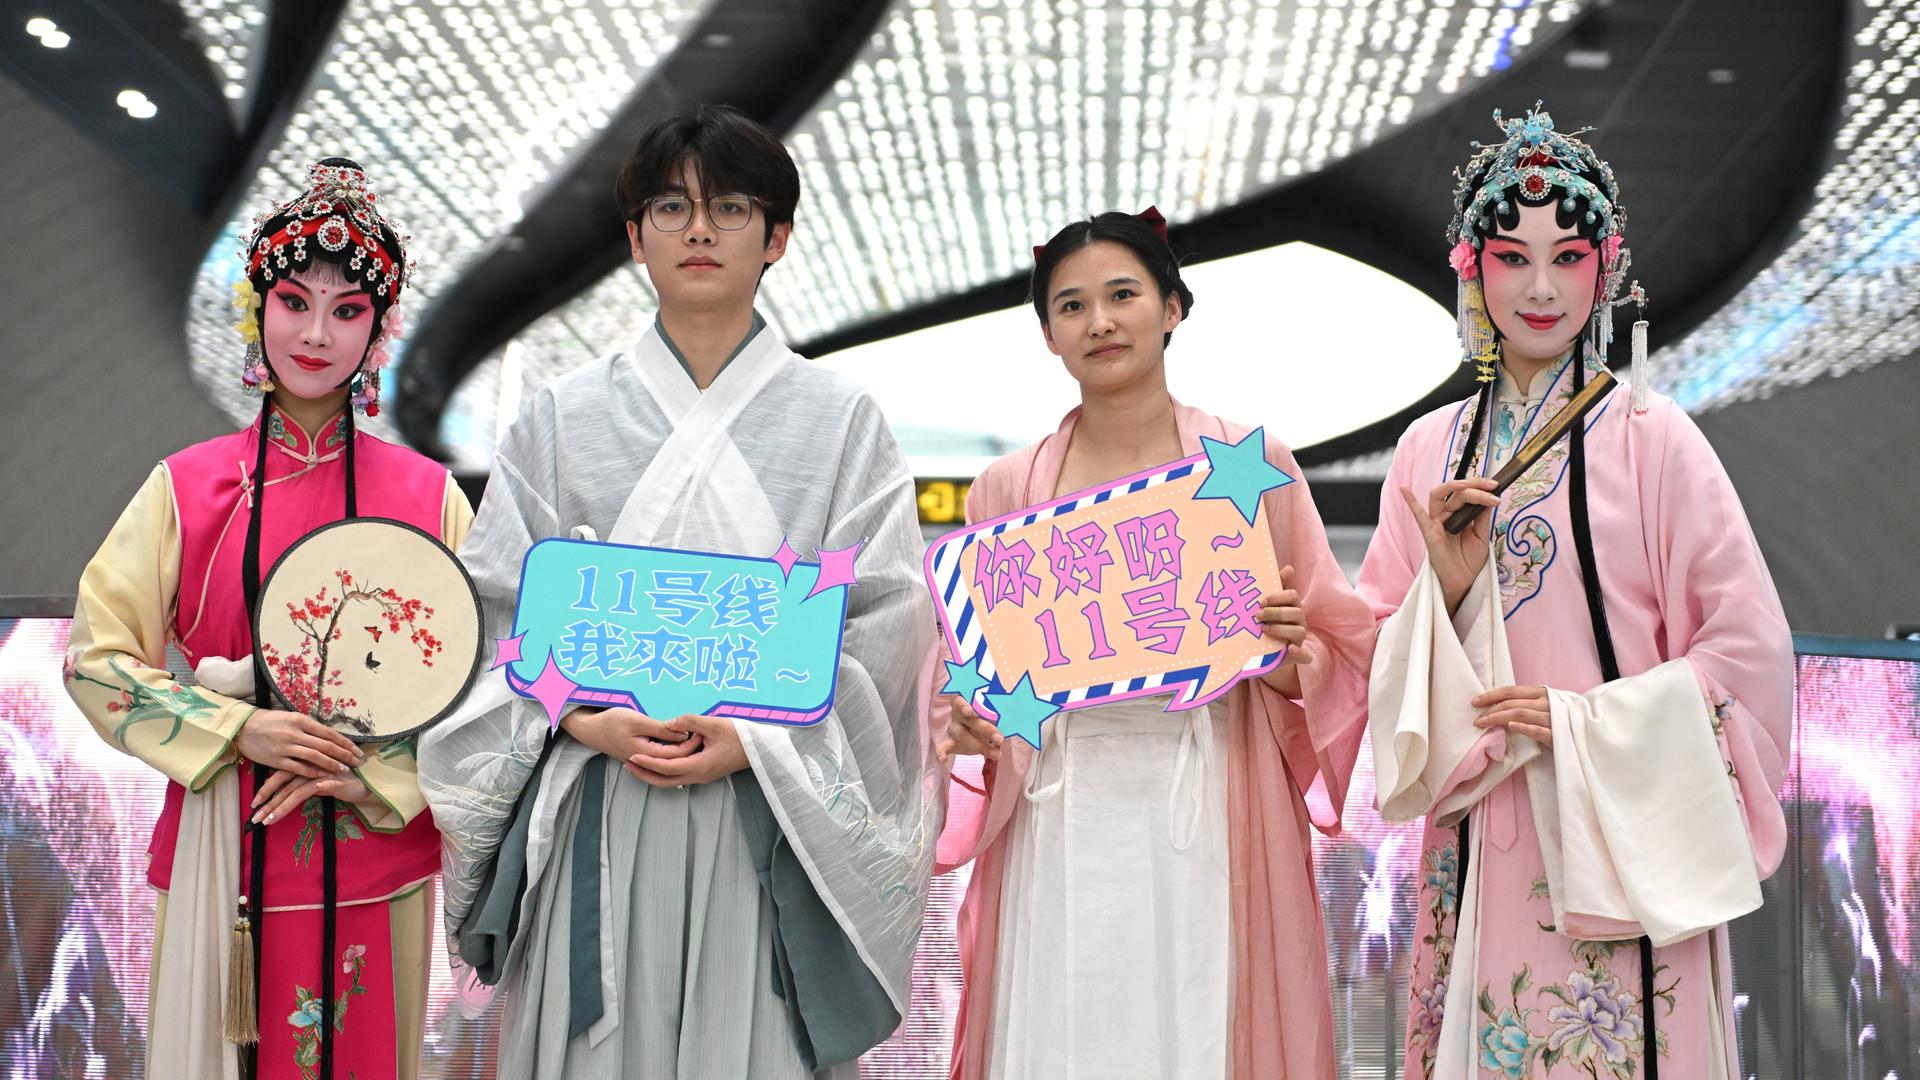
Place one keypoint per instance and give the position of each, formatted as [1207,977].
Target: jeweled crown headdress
[1536,164]
[338,209]
[338,214]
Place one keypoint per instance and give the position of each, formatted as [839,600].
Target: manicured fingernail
[269,819]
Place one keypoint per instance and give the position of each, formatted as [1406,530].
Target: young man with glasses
[698,896]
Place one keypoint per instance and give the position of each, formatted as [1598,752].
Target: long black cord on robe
[263,698]
[1602,639]
[257,831]
[1609,672]
[1482,414]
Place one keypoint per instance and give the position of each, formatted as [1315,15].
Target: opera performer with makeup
[1587,692]
[320,301]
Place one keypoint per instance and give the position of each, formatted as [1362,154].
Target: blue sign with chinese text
[673,633]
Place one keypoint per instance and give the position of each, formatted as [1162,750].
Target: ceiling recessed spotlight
[57,39]
[41,27]
[136,104]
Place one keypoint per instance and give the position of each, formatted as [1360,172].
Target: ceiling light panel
[232,34]
[459,109]
[967,131]
[1845,294]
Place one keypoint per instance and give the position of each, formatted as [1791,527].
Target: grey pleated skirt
[692,946]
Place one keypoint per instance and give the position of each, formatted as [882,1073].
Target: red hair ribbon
[1151,215]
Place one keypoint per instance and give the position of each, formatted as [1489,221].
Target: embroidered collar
[1508,389]
[287,435]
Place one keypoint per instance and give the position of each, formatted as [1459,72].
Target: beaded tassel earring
[1642,370]
[366,392]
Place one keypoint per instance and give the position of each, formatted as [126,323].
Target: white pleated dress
[1115,948]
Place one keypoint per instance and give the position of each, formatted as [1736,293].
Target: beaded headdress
[337,219]
[1536,165]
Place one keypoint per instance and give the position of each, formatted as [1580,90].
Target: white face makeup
[1539,280]
[1106,318]
[315,326]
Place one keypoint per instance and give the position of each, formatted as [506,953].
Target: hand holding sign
[1285,621]
[968,733]
[1161,581]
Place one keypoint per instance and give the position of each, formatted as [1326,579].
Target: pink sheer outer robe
[1278,749]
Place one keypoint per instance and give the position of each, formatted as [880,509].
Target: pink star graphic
[836,569]
[786,557]
[506,650]
[551,690]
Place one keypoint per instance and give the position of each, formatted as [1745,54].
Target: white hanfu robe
[723,908]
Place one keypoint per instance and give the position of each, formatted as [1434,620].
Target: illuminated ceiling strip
[947,149]
[1845,294]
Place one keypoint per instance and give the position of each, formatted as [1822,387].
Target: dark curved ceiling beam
[144,45]
[772,61]
[298,35]
[190,149]
[1715,169]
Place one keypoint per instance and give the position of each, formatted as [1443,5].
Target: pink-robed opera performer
[1587,693]
[320,305]
[1142,901]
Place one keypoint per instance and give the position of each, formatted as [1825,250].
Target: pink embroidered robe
[1683,580]
[171,571]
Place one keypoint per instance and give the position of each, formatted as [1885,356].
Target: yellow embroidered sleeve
[391,773]
[116,659]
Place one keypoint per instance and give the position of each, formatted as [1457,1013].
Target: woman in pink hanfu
[1142,901]
[320,302]
[1587,692]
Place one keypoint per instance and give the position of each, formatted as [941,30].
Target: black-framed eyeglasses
[673,213]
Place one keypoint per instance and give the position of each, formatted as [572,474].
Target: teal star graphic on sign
[1019,712]
[965,679]
[1240,472]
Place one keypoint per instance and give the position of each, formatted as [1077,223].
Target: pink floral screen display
[1826,973]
